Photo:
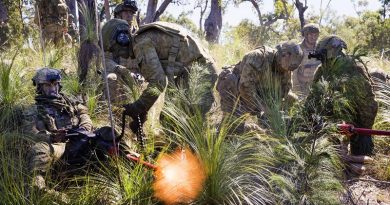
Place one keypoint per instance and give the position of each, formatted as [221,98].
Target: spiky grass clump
[13,94]
[89,53]
[118,181]
[15,180]
[234,168]
[302,164]
[235,172]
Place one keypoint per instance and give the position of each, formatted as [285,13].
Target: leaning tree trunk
[213,23]
[150,11]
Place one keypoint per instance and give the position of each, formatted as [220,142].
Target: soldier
[122,71]
[342,91]
[52,16]
[55,114]
[303,76]
[254,75]
[159,51]
[380,79]
[127,11]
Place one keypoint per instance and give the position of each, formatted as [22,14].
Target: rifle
[348,129]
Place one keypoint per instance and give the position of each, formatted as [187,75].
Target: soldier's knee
[39,157]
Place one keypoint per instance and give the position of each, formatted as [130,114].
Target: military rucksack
[180,37]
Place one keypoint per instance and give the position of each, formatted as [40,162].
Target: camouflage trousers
[43,155]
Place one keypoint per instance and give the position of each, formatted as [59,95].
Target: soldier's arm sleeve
[110,63]
[153,72]
[250,66]
[35,127]
[286,84]
[85,120]
[368,107]
[122,72]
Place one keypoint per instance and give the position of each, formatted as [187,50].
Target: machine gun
[98,145]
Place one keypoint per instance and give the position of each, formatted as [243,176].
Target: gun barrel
[348,128]
[136,159]
[365,131]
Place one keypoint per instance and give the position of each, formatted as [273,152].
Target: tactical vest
[56,116]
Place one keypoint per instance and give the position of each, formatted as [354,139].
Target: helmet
[127,5]
[46,75]
[113,33]
[310,28]
[329,47]
[294,50]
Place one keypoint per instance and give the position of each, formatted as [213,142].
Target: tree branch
[161,9]
[272,20]
[301,11]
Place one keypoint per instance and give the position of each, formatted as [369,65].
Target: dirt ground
[366,190]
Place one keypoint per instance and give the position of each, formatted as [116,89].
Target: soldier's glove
[137,114]
[58,136]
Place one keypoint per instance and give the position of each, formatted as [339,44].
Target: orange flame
[179,177]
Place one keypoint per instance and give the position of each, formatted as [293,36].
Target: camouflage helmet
[46,75]
[292,49]
[330,47]
[127,5]
[310,28]
[110,31]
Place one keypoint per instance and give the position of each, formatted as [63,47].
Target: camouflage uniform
[303,76]
[53,20]
[164,50]
[249,78]
[51,114]
[342,91]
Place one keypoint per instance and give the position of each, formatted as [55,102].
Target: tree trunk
[107,9]
[257,8]
[11,29]
[202,12]
[3,13]
[213,23]
[161,9]
[301,11]
[150,11]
